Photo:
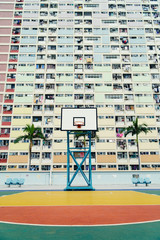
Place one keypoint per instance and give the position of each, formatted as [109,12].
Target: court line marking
[62,190]
[121,205]
[96,225]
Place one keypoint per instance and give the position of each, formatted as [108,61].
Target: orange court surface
[93,209]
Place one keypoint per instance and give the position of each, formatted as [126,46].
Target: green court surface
[9,192]
[154,192]
[145,231]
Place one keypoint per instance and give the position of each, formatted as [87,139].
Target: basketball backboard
[79,119]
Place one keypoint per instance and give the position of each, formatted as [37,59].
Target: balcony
[8,98]
[119,120]
[78,98]
[10,90]
[4,135]
[49,109]
[49,98]
[89,98]
[132,144]
[7,110]
[128,97]
[119,109]
[19,6]
[47,145]
[121,144]
[4,144]
[16,31]
[14,49]
[133,157]
[3,160]
[48,121]
[18,15]
[51,67]
[17,23]
[37,121]
[117,88]
[3,147]
[6,123]
[36,148]
[13,58]
[11,78]
[15,40]
[5,132]
[12,69]
[48,132]
[129,109]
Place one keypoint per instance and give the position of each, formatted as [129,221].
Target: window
[114,97]
[3,155]
[101,153]
[111,166]
[111,153]
[13,153]
[12,166]
[23,153]
[35,155]
[6,119]
[45,167]
[22,166]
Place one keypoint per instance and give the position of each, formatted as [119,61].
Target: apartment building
[79,53]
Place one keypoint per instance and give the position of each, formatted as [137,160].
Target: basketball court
[76,215]
[80,215]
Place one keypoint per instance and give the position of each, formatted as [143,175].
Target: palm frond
[79,134]
[20,138]
[128,130]
[144,129]
[31,133]
[39,135]
[27,128]
[136,129]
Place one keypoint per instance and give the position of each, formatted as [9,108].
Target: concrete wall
[60,178]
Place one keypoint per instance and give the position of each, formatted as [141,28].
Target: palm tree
[31,133]
[80,134]
[136,129]
[84,134]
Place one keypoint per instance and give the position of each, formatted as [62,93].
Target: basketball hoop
[79,124]
[74,119]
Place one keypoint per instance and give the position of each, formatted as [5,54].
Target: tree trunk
[139,161]
[30,151]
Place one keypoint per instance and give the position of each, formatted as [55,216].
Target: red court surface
[80,215]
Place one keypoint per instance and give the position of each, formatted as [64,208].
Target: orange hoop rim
[79,124]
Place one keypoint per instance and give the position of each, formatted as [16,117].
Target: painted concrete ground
[80,215]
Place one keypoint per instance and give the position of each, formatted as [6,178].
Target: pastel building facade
[81,53]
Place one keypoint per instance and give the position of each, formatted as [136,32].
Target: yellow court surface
[79,198]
